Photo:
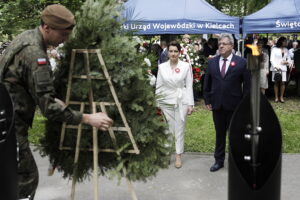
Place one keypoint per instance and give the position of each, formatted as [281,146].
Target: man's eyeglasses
[222,43]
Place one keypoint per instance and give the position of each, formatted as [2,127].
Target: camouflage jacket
[27,75]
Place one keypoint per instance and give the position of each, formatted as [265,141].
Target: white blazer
[175,86]
[276,59]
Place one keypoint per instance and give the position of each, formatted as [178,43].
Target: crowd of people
[27,77]
[278,58]
[207,49]
[226,80]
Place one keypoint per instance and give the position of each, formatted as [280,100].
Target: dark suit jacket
[163,57]
[226,92]
[297,59]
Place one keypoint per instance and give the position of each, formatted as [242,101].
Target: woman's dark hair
[175,44]
[280,41]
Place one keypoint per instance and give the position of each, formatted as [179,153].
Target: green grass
[38,128]
[200,132]
[289,117]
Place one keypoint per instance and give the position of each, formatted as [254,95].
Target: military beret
[58,17]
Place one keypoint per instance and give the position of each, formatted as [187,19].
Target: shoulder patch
[41,61]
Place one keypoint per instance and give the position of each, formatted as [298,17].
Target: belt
[179,103]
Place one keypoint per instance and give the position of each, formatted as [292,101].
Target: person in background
[155,50]
[174,89]
[197,48]
[200,41]
[227,80]
[297,68]
[209,48]
[291,50]
[247,50]
[266,46]
[164,54]
[53,56]
[289,42]
[280,61]
[271,43]
[186,39]
[264,68]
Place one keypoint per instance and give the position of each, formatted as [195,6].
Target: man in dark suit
[227,80]
[297,66]
[164,54]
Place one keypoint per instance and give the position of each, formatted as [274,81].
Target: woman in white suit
[174,90]
[280,60]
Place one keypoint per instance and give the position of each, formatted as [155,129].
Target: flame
[254,49]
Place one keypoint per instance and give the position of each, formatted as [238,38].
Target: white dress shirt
[291,53]
[221,61]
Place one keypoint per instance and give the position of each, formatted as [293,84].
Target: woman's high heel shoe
[178,163]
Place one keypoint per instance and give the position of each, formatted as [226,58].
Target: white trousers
[176,124]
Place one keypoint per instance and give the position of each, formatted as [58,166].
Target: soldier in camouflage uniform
[27,75]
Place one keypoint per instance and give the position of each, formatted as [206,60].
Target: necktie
[223,69]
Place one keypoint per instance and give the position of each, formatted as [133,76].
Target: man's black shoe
[216,167]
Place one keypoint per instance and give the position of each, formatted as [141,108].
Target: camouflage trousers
[28,176]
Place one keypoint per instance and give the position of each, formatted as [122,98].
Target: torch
[255,140]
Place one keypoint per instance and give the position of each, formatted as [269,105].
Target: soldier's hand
[60,102]
[99,120]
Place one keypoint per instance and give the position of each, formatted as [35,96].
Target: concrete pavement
[192,182]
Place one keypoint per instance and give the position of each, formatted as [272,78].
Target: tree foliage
[19,15]
[238,7]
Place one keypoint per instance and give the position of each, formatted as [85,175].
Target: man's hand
[190,110]
[99,120]
[208,107]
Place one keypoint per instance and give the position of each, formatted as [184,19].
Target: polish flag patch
[42,61]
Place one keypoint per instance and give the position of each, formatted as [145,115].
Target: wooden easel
[92,107]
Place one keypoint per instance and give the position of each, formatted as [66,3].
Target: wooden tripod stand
[92,109]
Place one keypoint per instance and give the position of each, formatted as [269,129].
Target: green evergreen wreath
[98,27]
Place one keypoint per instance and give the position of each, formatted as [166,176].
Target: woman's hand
[190,110]
[208,107]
